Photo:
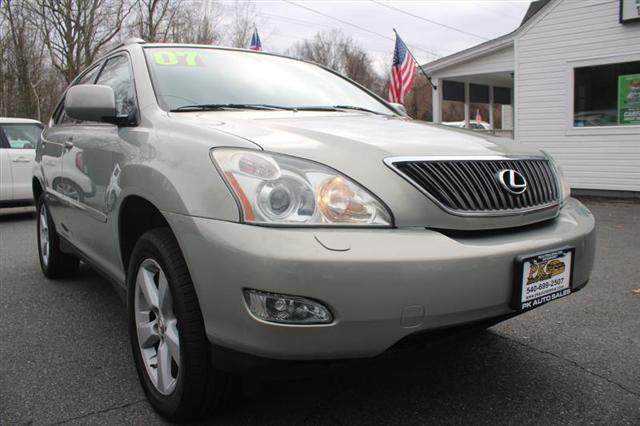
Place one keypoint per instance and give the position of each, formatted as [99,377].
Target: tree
[199,23]
[22,66]
[243,21]
[153,19]
[6,83]
[176,21]
[75,31]
[44,44]
[418,100]
[339,52]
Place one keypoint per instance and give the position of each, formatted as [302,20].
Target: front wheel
[168,339]
[53,262]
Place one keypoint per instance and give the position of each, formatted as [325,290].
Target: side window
[116,74]
[57,114]
[3,142]
[65,119]
[59,117]
[22,136]
[89,77]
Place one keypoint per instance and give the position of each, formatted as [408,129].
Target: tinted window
[212,76]
[502,95]
[479,93]
[116,74]
[22,136]
[452,91]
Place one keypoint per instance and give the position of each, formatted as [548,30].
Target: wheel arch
[136,216]
[37,189]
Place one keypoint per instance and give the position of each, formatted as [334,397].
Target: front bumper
[381,285]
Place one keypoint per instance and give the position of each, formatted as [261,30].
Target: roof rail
[133,40]
[127,42]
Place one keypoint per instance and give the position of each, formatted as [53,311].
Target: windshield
[184,77]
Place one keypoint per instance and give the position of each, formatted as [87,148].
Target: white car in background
[473,124]
[18,140]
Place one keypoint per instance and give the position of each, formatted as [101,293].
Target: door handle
[68,144]
[21,160]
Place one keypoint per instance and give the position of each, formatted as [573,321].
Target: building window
[479,107]
[453,103]
[452,91]
[607,95]
[502,110]
[502,95]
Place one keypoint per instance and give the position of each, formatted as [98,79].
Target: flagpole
[414,58]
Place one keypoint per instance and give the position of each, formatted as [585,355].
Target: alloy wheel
[156,326]
[44,235]
[69,190]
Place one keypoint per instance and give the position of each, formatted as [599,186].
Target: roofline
[139,42]
[470,53]
[18,120]
[482,48]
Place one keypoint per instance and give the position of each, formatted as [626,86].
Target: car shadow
[16,214]
[482,376]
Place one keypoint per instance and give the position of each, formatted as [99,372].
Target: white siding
[570,33]
[498,61]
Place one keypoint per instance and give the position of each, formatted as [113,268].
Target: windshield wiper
[357,108]
[337,108]
[218,107]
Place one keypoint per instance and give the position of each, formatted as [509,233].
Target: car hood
[310,133]
[356,144]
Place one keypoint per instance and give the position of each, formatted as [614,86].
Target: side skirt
[119,286]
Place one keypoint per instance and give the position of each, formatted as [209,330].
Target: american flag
[403,71]
[256,44]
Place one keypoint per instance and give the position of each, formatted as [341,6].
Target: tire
[185,387]
[53,262]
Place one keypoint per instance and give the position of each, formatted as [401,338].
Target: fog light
[286,309]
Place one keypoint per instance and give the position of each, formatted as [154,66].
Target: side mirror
[400,109]
[91,102]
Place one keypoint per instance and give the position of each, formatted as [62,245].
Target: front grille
[472,186]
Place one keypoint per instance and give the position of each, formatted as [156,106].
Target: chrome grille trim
[466,185]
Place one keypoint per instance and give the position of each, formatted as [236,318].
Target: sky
[282,23]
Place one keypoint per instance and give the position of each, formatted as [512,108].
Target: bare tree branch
[340,52]
[76,31]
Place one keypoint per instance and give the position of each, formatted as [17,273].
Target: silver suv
[250,206]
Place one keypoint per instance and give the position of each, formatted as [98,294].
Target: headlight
[565,189]
[282,190]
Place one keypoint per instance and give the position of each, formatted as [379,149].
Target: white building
[566,81]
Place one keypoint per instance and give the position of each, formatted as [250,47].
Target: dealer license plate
[542,278]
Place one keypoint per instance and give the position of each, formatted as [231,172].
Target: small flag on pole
[256,44]
[478,116]
[403,71]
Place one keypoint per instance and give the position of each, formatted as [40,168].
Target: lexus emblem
[512,181]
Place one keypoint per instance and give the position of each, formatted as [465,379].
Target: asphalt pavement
[65,355]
